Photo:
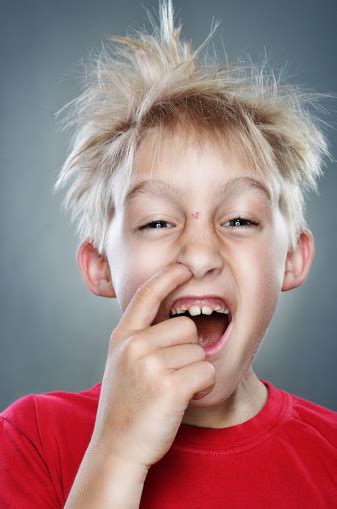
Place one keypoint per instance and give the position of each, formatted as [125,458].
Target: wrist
[104,479]
[117,463]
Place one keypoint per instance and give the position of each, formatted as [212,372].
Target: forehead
[169,166]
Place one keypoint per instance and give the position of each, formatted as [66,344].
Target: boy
[217,160]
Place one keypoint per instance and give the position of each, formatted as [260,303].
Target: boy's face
[243,264]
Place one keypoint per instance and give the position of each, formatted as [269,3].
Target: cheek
[261,277]
[131,270]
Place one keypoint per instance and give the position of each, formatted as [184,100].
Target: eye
[154,225]
[237,222]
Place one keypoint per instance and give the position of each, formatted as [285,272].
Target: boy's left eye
[236,222]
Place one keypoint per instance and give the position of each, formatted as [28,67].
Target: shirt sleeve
[24,476]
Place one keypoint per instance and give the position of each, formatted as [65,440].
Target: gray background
[54,332]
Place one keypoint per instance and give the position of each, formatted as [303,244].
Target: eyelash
[235,219]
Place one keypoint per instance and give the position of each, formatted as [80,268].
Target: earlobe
[298,261]
[95,270]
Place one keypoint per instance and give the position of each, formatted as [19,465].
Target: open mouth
[210,327]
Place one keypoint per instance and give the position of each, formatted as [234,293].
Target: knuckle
[209,370]
[152,364]
[115,345]
[166,384]
[144,291]
[133,347]
[114,337]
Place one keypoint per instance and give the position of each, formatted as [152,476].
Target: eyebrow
[165,190]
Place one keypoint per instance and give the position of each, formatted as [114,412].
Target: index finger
[145,303]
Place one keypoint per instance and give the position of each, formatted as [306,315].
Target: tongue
[210,328]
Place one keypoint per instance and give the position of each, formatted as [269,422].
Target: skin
[248,265]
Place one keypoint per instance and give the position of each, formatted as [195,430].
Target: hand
[151,374]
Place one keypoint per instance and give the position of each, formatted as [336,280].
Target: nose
[200,250]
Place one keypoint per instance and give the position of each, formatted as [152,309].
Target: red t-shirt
[284,457]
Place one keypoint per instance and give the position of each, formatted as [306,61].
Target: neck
[243,404]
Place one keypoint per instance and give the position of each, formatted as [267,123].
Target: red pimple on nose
[195,214]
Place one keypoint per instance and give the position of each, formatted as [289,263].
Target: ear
[95,270]
[298,261]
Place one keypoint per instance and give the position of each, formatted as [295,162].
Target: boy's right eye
[153,225]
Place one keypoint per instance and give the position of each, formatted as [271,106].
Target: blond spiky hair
[156,81]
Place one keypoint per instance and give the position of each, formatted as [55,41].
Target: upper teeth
[197,310]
